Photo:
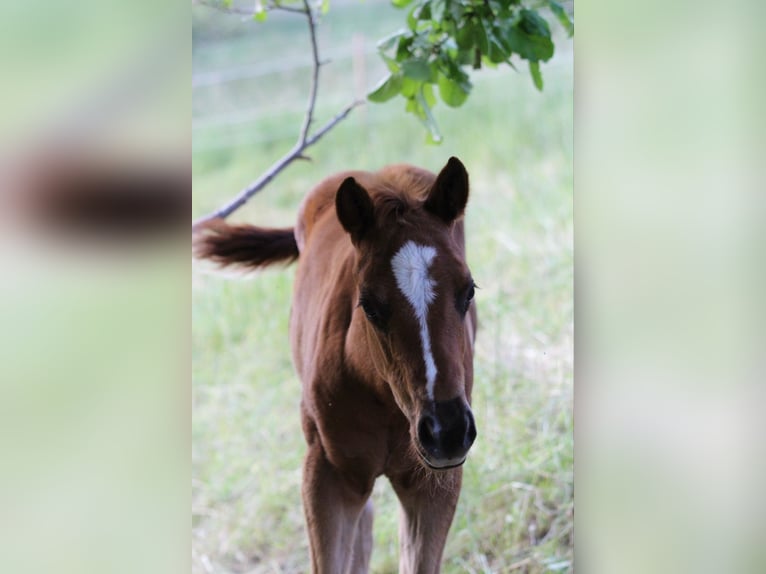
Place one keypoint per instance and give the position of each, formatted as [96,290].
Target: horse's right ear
[354,208]
[449,194]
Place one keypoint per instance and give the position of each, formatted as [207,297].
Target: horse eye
[469,294]
[373,312]
[369,311]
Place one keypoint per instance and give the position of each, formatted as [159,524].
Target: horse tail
[244,245]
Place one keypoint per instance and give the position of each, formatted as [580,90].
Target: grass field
[516,509]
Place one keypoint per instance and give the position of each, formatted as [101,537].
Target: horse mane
[399,190]
[391,207]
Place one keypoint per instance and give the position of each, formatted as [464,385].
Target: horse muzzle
[446,430]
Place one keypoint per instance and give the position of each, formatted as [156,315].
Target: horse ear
[449,194]
[354,208]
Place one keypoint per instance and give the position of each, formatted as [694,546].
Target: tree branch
[295,153]
[314,74]
[304,140]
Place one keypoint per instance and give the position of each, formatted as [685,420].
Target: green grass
[516,509]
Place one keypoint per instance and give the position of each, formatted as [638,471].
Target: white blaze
[410,265]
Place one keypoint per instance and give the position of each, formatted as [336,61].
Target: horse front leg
[333,507]
[427,507]
[363,541]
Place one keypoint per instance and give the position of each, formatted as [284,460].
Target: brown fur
[362,390]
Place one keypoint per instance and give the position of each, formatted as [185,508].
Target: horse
[382,329]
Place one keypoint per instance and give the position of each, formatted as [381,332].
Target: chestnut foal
[382,330]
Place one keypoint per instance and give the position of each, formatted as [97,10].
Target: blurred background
[250,86]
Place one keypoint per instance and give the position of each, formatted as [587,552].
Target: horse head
[413,319]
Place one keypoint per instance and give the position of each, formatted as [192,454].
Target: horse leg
[333,508]
[427,506]
[363,541]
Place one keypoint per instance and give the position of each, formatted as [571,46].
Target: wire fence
[218,77]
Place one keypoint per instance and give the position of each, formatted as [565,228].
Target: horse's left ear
[354,208]
[449,194]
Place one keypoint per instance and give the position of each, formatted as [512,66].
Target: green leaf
[524,40]
[450,29]
[437,10]
[501,9]
[227,4]
[420,11]
[537,77]
[456,74]
[456,10]
[386,89]
[404,48]
[417,69]
[563,18]
[464,57]
[325,6]
[413,107]
[392,65]
[534,24]
[400,3]
[424,11]
[390,41]
[480,37]
[410,87]
[499,50]
[464,36]
[434,65]
[428,119]
[412,19]
[430,139]
[260,14]
[451,92]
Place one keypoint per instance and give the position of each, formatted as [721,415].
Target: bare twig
[304,140]
[282,163]
[315,73]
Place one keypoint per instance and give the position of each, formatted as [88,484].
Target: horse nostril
[470,434]
[448,433]
[427,432]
